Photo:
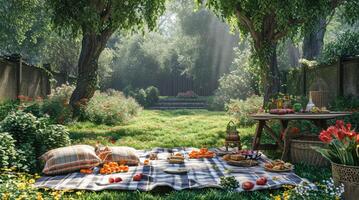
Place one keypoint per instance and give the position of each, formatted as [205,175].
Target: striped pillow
[69,159]
[123,155]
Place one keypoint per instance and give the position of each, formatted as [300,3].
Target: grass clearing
[195,128]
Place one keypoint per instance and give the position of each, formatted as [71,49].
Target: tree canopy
[267,22]
[97,20]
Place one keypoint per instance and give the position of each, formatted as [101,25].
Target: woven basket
[349,176]
[301,151]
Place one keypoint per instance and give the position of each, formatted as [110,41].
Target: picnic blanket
[203,173]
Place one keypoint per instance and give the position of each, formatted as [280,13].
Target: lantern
[232,137]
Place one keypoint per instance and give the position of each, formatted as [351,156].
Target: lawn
[197,128]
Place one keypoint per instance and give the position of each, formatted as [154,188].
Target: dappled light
[179,99]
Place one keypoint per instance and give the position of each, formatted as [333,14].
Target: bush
[241,109]
[33,137]
[140,97]
[347,44]
[152,96]
[57,104]
[350,104]
[7,150]
[22,126]
[6,107]
[111,108]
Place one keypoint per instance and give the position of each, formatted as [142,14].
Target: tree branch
[244,20]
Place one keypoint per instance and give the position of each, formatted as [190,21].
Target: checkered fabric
[202,173]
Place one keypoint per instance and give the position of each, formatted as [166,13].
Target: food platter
[278,166]
[283,170]
[176,170]
[242,163]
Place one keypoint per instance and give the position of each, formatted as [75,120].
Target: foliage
[33,136]
[346,44]
[350,104]
[20,185]
[111,107]
[140,97]
[241,109]
[152,95]
[6,107]
[229,183]
[57,104]
[7,150]
[24,27]
[343,144]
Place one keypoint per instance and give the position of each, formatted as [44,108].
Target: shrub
[22,126]
[348,103]
[241,109]
[140,97]
[57,104]
[7,150]
[111,108]
[33,136]
[152,96]
[6,107]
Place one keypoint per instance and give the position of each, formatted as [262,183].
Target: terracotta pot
[349,176]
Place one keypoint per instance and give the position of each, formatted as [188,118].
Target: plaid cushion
[125,155]
[69,159]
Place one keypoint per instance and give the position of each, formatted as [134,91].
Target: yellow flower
[277,197]
[21,186]
[32,181]
[5,196]
[39,196]
[78,193]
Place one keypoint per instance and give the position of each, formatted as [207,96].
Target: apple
[118,179]
[247,185]
[261,181]
[111,180]
[137,177]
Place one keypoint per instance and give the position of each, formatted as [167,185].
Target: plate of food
[278,166]
[176,158]
[250,154]
[202,153]
[176,170]
[239,160]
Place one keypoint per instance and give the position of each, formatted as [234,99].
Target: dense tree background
[188,41]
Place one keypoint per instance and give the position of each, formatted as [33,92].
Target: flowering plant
[342,144]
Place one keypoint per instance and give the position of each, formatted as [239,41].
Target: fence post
[19,77]
[304,80]
[340,77]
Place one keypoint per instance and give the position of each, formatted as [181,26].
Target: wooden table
[319,120]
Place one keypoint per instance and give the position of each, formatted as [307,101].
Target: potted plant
[342,144]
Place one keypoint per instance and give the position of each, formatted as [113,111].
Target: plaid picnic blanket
[202,173]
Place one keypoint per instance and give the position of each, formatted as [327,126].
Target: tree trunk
[313,41]
[271,76]
[92,46]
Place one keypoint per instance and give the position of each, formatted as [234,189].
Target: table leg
[284,124]
[258,134]
[286,139]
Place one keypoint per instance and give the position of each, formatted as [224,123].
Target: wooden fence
[19,78]
[341,78]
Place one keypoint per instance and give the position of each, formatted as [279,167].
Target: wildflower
[39,196]
[78,193]
[32,181]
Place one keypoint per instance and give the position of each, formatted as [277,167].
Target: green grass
[196,128]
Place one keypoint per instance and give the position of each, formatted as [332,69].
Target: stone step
[181,104]
[174,108]
[181,100]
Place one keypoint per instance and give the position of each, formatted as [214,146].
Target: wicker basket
[301,151]
[349,176]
